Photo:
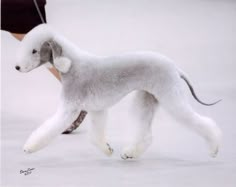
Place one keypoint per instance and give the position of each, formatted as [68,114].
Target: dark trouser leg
[76,123]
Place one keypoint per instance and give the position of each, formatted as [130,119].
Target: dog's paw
[108,150]
[137,149]
[125,157]
[37,140]
[131,152]
[214,141]
[213,136]
[104,147]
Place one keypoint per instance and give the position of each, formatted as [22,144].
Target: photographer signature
[27,172]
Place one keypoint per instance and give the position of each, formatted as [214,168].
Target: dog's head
[39,47]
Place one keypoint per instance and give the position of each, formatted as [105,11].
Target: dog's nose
[17,68]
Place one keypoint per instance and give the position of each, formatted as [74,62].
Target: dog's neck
[70,50]
[81,60]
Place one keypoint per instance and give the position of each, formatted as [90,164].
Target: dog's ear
[46,53]
[51,52]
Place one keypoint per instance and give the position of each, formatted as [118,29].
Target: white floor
[198,34]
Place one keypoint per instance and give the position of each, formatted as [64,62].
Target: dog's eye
[34,51]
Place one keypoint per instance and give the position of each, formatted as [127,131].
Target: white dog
[94,83]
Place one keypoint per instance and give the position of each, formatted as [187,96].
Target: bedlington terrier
[95,83]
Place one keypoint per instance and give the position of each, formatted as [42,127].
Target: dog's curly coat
[94,83]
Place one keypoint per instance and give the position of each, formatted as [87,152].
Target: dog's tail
[183,76]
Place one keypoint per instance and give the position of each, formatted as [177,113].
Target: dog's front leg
[97,132]
[65,115]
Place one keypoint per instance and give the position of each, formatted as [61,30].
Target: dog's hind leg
[97,132]
[145,105]
[176,104]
